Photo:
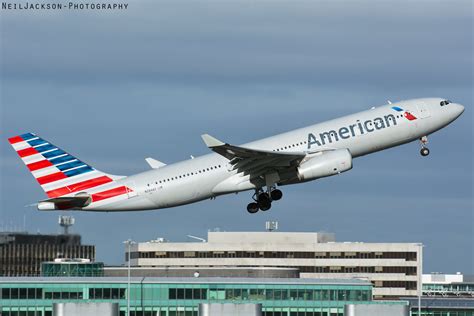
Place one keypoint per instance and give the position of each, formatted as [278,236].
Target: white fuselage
[207,176]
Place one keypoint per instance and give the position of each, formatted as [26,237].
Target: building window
[106,293]
[24,293]
[217,294]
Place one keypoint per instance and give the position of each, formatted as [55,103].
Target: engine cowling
[325,164]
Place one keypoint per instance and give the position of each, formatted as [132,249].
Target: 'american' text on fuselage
[346,132]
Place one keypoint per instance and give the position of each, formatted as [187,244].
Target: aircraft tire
[252,208]
[424,151]
[263,198]
[265,206]
[276,195]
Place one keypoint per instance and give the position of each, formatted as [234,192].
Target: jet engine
[324,164]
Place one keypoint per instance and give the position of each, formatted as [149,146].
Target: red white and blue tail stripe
[61,174]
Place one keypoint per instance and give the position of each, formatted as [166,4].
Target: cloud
[315,43]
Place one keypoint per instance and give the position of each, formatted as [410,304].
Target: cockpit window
[444,102]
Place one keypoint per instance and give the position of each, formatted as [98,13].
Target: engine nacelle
[325,164]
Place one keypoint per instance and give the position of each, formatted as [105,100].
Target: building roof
[39,239]
[199,280]
[451,303]
[258,268]
[270,237]
[441,278]
[274,240]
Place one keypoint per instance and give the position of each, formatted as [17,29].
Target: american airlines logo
[358,128]
[406,114]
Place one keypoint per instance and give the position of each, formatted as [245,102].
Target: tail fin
[58,172]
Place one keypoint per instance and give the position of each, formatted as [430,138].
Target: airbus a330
[263,166]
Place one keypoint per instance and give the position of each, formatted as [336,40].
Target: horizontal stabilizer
[154,164]
[65,203]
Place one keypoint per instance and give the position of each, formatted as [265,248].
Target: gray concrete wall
[89,309]
[230,309]
[376,310]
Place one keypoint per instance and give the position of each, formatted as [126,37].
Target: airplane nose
[458,109]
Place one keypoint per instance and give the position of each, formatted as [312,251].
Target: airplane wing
[253,161]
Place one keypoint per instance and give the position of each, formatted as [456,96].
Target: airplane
[297,156]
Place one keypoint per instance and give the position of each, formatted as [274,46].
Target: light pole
[420,278]
[129,242]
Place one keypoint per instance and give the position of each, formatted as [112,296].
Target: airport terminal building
[393,268]
[42,296]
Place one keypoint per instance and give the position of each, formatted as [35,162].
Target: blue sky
[115,87]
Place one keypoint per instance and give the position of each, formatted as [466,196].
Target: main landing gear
[263,200]
[424,150]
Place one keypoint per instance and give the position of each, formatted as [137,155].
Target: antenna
[271,225]
[65,222]
[197,238]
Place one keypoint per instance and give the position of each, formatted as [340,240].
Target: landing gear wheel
[276,195]
[265,206]
[263,198]
[252,208]
[424,151]
[264,202]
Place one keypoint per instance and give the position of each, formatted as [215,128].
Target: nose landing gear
[424,150]
[263,200]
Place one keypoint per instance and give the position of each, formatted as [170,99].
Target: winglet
[154,164]
[211,141]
